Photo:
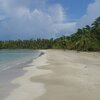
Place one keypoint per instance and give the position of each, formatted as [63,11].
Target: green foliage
[85,39]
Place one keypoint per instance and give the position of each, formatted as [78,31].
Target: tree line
[85,39]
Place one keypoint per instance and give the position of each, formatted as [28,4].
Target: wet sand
[60,75]
[28,90]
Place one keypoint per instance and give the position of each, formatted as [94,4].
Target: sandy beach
[60,75]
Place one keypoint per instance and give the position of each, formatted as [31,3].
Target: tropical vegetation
[85,39]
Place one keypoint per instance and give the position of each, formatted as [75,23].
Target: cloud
[93,11]
[25,19]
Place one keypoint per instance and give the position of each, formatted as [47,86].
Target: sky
[31,19]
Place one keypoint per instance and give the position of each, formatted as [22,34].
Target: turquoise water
[11,64]
[13,58]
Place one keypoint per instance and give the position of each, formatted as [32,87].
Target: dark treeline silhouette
[85,39]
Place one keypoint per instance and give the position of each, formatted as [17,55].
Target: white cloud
[57,13]
[28,19]
[93,11]
[64,28]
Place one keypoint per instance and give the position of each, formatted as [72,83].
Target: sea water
[12,58]
[11,65]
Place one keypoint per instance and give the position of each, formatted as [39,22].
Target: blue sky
[26,19]
[75,8]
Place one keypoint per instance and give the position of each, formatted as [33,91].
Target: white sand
[29,90]
[61,75]
[76,76]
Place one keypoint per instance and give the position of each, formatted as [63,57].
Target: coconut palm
[96,28]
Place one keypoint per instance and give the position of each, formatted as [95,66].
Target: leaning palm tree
[96,28]
[86,42]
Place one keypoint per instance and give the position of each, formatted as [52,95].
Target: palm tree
[86,41]
[96,28]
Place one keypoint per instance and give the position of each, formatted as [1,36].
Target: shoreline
[13,71]
[26,84]
[57,75]
[75,76]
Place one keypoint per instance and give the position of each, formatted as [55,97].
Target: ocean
[11,65]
